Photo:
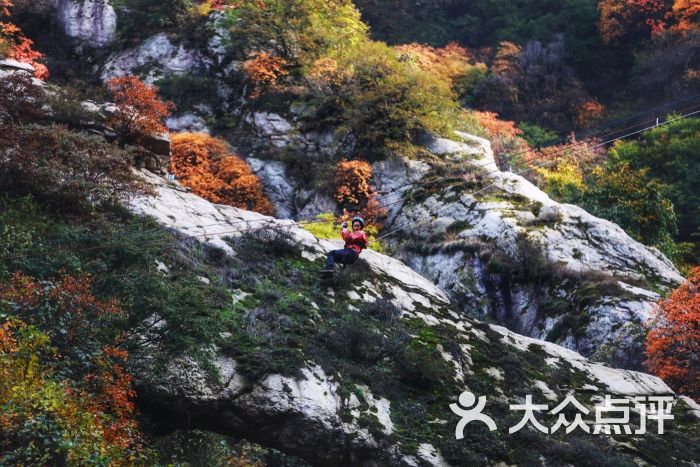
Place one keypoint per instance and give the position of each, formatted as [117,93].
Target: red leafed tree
[218,4]
[141,112]
[75,314]
[14,44]
[496,126]
[205,164]
[673,343]
[354,192]
[112,394]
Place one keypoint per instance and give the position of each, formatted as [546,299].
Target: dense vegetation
[670,352]
[205,164]
[66,390]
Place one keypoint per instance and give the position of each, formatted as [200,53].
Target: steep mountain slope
[500,247]
[229,328]
[362,371]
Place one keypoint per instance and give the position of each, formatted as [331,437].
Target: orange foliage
[114,395]
[687,14]
[141,112]
[325,72]
[19,47]
[21,290]
[620,17]
[506,60]
[673,343]
[71,296]
[204,164]
[505,137]
[8,344]
[263,70]
[355,194]
[497,127]
[588,113]
[218,5]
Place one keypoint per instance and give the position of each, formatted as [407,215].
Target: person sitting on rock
[355,242]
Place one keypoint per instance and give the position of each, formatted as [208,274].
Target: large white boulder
[585,283]
[91,23]
[316,416]
[158,56]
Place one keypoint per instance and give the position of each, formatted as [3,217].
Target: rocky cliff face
[504,251]
[163,55]
[509,253]
[371,362]
[89,23]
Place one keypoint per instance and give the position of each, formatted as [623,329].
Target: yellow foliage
[45,421]
[563,180]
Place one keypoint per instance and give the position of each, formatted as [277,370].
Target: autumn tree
[588,113]
[671,156]
[453,63]
[634,19]
[673,342]
[95,411]
[627,19]
[14,44]
[376,98]
[509,147]
[355,194]
[205,164]
[68,170]
[141,112]
[263,71]
[687,15]
[299,31]
[67,309]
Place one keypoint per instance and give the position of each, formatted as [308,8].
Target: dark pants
[344,256]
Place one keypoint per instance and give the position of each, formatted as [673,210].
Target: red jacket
[355,240]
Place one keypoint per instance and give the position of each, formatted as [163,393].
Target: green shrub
[668,156]
[138,18]
[188,91]
[326,226]
[376,98]
[536,136]
[298,30]
[422,366]
[20,225]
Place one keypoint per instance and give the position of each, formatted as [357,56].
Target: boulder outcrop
[88,23]
[332,407]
